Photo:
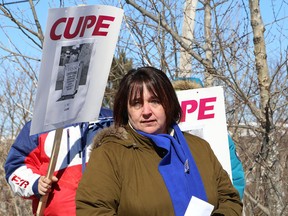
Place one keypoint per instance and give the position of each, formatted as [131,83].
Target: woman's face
[147,116]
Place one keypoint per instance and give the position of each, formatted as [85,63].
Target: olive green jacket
[122,177]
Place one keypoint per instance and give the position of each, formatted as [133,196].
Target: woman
[145,165]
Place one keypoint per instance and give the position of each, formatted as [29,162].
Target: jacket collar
[126,136]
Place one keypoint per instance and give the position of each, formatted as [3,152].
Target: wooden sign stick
[53,160]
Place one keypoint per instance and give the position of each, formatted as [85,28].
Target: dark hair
[157,83]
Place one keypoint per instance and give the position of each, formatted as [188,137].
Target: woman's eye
[155,101]
[136,104]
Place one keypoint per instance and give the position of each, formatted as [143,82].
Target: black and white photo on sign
[70,79]
[73,68]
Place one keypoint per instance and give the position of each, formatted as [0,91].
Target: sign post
[51,168]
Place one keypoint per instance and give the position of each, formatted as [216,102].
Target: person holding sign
[145,165]
[238,177]
[28,159]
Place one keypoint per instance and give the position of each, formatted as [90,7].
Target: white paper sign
[204,115]
[77,54]
[198,207]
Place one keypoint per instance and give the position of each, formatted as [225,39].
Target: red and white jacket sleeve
[22,164]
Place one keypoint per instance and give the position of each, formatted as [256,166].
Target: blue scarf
[178,169]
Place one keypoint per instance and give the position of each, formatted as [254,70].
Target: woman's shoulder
[197,144]
[195,139]
[111,135]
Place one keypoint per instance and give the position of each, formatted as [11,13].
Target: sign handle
[51,169]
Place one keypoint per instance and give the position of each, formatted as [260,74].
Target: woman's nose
[146,109]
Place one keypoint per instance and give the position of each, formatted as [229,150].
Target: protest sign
[77,55]
[204,116]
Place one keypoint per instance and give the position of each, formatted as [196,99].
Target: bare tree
[187,33]
[19,69]
[229,47]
